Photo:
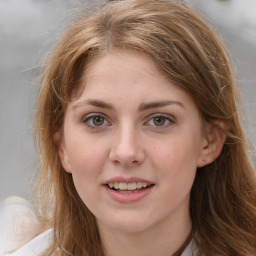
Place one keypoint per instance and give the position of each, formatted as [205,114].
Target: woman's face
[133,142]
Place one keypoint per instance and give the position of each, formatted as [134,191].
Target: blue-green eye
[95,121]
[160,121]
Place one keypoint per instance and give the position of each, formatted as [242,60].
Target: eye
[160,121]
[95,121]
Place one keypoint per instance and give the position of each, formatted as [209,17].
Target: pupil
[159,120]
[98,120]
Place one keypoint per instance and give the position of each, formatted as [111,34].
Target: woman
[140,143]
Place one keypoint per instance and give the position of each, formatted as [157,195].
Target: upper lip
[127,180]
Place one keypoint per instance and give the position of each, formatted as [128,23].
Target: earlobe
[215,137]
[62,152]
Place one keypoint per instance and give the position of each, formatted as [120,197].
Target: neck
[164,239]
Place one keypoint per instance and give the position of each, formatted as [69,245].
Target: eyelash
[167,118]
[87,120]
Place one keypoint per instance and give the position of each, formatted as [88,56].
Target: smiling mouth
[133,187]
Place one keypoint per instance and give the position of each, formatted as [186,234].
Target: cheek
[86,168]
[177,153]
[87,161]
[176,163]
[85,154]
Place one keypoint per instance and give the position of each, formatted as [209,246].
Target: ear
[58,140]
[214,140]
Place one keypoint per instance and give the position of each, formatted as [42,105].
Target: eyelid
[169,117]
[93,114]
[87,117]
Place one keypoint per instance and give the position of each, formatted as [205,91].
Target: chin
[127,223]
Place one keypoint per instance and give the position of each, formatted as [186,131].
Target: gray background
[28,29]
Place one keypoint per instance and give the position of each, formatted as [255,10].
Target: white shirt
[36,246]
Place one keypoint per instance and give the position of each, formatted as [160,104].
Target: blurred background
[28,29]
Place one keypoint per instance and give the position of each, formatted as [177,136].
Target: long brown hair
[192,56]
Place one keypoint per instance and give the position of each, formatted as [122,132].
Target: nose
[126,149]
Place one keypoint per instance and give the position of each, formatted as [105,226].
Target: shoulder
[18,228]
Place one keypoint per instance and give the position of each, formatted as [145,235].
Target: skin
[162,143]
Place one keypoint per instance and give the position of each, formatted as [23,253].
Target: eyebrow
[157,104]
[96,103]
[142,107]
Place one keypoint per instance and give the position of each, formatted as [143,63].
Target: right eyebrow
[157,104]
[93,102]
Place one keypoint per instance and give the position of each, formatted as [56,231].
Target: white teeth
[139,185]
[144,185]
[128,186]
[116,185]
[123,186]
[131,186]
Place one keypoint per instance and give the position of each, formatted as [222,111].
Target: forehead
[130,76]
[119,59]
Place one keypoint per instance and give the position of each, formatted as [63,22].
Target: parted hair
[189,52]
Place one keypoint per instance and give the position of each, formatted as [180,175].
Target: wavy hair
[193,57]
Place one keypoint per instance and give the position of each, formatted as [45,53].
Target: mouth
[128,190]
[132,187]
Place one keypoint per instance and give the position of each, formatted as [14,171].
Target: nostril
[127,158]
[126,162]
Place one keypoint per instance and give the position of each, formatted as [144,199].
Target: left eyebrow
[157,104]
[96,103]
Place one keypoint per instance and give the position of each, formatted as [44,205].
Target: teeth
[131,186]
[123,186]
[128,186]
[144,185]
[139,185]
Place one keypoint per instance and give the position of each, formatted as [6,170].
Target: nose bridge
[126,148]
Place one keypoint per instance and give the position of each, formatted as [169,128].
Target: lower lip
[128,197]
